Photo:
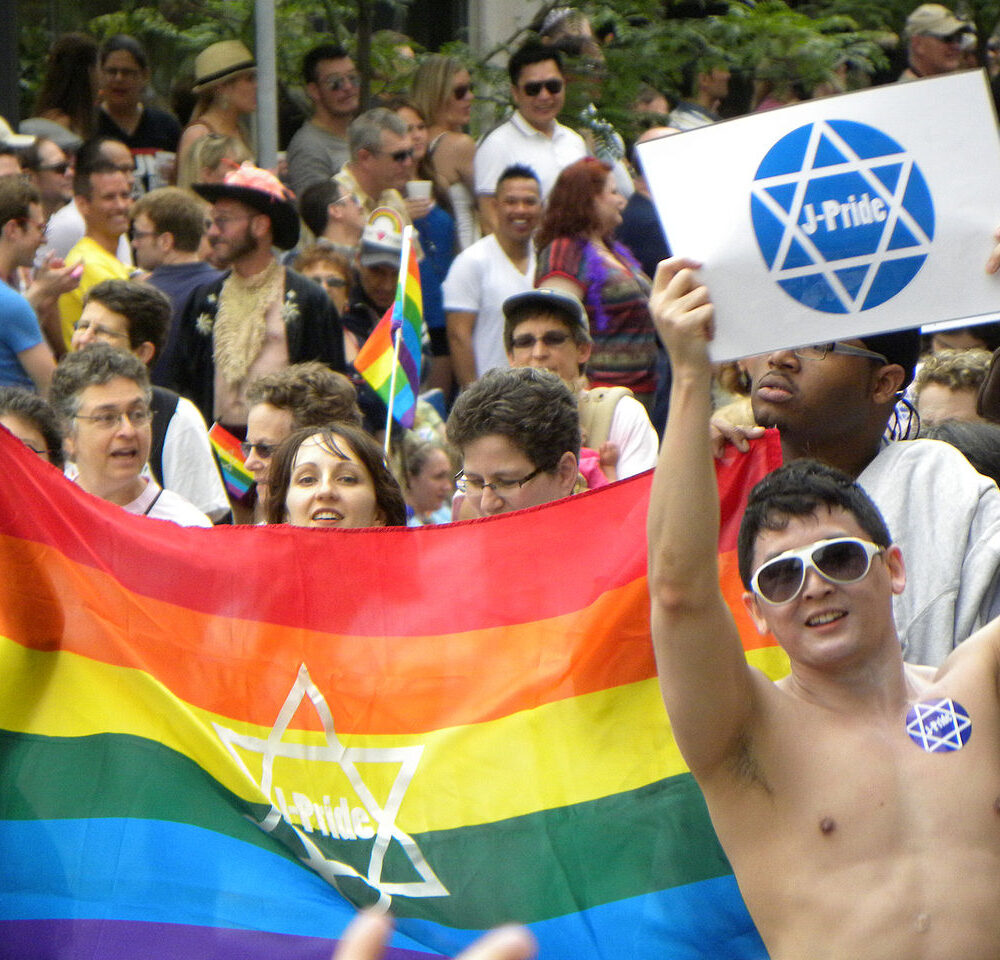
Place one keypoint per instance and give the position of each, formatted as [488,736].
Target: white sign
[856,214]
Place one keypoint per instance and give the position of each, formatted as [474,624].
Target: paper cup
[419,189]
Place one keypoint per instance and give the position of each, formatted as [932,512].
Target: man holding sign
[860,814]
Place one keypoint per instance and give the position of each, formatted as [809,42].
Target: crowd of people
[156,281]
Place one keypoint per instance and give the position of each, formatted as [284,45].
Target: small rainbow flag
[230,456]
[201,765]
[397,384]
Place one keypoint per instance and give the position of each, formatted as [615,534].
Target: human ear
[888,382]
[897,569]
[752,605]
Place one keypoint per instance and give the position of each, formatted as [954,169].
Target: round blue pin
[939,726]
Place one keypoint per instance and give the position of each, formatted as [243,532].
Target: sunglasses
[401,156]
[841,560]
[59,168]
[552,338]
[462,91]
[534,87]
[335,84]
[264,450]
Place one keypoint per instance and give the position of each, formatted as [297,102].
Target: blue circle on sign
[843,216]
[939,726]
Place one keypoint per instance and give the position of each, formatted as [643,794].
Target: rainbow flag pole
[394,346]
[397,326]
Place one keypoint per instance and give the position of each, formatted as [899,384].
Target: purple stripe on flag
[128,939]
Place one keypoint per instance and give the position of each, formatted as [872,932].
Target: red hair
[569,209]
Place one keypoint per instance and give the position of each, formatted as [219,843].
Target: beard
[228,253]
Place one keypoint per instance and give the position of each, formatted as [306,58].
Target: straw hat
[264,192]
[220,62]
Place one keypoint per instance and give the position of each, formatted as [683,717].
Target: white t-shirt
[634,436]
[188,465]
[480,279]
[166,505]
[517,141]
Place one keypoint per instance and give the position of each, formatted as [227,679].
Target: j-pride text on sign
[853,213]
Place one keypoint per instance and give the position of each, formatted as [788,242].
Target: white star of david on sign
[346,758]
[794,232]
[938,725]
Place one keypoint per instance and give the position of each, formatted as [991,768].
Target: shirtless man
[848,836]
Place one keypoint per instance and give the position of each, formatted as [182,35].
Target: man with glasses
[858,813]
[518,433]
[936,39]
[532,136]
[549,330]
[334,216]
[381,161]
[25,357]
[320,146]
[135,317]
[102,396]
[51,171]
[168,226]
[835,403]
[303,395]
[260,316]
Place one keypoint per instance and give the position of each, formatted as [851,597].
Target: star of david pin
[939,726]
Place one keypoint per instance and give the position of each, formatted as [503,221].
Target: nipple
[827,825]
[923,922]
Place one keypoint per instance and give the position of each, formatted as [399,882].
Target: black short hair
[530,53]
[313,204]
[517,171]
[900,346]
[312,59]
[147,310]
[22,403]
[532,408]
[799,489]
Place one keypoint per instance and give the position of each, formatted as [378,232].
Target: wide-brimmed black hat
[263,191]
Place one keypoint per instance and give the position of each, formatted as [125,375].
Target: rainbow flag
[230,456]
[375,358]
[200,765]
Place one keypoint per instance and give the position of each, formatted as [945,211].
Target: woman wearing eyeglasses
[577,254]
[334,477]
[150,133]
[225,80]
[102,396]
[442,92]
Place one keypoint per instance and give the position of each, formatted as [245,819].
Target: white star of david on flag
[939,725]
[347,758]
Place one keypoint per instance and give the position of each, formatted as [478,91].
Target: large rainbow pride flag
[462,723]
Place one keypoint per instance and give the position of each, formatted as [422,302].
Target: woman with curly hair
[577,254]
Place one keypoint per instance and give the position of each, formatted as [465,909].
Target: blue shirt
[19,331]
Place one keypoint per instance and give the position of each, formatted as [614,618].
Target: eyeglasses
[841,560]
[347,198]
[820,351]
[223,221]
[461,91]
[534,87]
[142,234]
[59,168]
[264,450]
[552,338]
[400,156]
[109,420]
[474,486]
[337,82]
[98,329]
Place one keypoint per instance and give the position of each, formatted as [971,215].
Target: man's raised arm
[706,684]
